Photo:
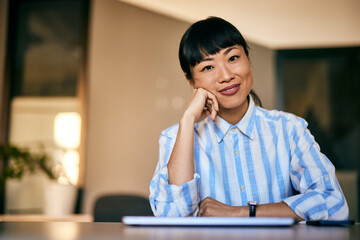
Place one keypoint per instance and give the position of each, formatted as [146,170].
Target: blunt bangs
[207,37]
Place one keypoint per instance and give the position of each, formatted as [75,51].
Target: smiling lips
[230,90]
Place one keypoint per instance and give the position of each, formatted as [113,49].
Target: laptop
[207,221]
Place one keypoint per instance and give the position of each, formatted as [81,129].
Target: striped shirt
[268,157]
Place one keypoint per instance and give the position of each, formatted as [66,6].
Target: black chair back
[111,208]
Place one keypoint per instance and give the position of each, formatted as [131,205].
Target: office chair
[111,208]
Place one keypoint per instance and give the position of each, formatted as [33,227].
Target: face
[227,75]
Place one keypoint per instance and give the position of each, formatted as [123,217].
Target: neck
[234,115]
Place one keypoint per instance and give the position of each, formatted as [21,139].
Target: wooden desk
[45,218]
[95,230]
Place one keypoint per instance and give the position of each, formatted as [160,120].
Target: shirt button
[242,187]
[236,152]
[233,130]
[326,178]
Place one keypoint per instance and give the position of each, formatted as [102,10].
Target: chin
[234,104]
[229,106]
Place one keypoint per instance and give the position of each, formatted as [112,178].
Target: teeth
[229,89]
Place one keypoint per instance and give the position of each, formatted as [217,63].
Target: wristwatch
[252,208]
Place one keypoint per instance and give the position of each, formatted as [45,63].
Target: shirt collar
[245,125]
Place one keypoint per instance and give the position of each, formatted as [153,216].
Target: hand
[209,207]
[202,104]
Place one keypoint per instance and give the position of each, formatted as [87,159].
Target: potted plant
[59,196]
[18,161]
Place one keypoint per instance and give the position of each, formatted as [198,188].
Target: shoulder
[280,117]
[170,132]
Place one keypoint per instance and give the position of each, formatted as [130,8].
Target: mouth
[230,90]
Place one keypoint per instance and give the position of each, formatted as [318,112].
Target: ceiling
[276,24]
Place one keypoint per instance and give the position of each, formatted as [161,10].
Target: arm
[313,176]
[181,163]
[174,187]
[211,208]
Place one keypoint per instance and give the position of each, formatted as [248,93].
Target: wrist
[187,119]
[241,211]
[252,208]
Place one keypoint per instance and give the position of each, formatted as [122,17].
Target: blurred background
[90,84]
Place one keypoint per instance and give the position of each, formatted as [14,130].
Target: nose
[226,74]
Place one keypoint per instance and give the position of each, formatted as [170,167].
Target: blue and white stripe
[264,158]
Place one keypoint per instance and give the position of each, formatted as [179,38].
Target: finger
[212,98]
[216,104]
[201,204]
[202,97]
[201,210]
[211,107]
[208,106]
[205,201]
[205,113]
[199,213]
[214,115]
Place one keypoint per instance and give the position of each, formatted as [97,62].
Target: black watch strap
[252,208]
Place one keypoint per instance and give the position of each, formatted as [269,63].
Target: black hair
[208,37]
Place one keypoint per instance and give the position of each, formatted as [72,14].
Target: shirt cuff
[309,206]
[185,196]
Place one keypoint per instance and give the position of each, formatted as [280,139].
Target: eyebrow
[226,52]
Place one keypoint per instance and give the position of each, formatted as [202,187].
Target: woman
[230,157]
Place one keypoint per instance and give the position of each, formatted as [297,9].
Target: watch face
[252,202]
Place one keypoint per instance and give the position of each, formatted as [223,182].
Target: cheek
[248,75]
[204,82]
[249,82]
[250,78]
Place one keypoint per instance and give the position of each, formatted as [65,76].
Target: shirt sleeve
[313,177]
[171,200]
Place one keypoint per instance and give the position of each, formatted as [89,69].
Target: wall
[134,81]
[137,89]
[263,65]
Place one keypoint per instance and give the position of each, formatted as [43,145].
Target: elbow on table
[161,209]
[340,212]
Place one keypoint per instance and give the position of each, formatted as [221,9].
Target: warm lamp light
[71,166]
[67,130]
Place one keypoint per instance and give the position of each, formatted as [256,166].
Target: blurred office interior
[107,73]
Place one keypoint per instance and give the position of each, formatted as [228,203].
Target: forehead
[222,51]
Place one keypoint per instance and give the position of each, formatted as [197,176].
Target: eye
[207,68]
[233,58]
